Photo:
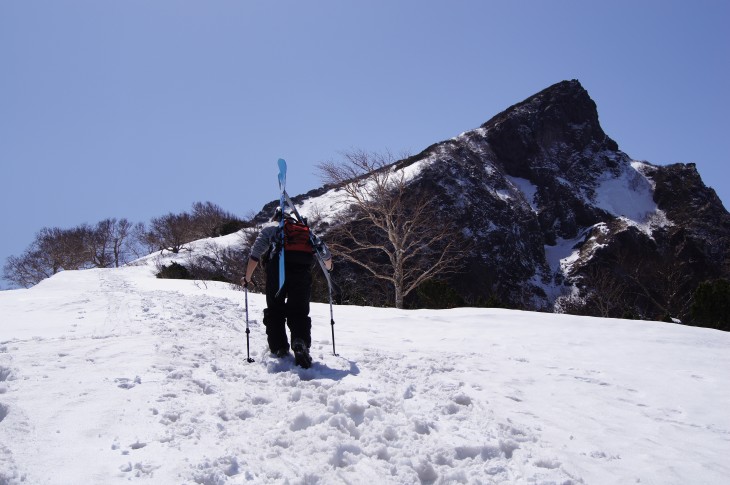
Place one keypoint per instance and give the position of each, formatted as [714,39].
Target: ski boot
[282,352]
[301,354]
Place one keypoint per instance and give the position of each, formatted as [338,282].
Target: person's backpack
[296,237]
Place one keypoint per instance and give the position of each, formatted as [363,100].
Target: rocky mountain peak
[556,211]
[555,120]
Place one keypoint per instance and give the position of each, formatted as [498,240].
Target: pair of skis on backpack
[285,200]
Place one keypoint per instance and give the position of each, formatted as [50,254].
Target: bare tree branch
[393,234]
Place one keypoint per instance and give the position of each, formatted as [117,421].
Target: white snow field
[113,376]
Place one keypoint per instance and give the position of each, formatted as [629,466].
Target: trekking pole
[332,324]
[248,353]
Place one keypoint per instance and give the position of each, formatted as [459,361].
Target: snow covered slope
[112,376]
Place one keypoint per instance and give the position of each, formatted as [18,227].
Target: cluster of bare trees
[114,242]
[109,243]
[172,231]
[392,232]
[632,284]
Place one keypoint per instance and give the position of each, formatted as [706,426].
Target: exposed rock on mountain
[562,219]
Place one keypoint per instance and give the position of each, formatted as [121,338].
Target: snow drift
[112,376]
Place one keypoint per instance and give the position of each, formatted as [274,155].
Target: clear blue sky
[138,108]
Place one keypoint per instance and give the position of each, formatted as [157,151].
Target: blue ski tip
[282,174]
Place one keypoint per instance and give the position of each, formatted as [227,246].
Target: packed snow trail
[111,376]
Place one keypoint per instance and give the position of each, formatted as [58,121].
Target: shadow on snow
[318,370]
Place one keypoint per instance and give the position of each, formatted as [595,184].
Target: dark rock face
[555,208]
[551,122]
[700,234]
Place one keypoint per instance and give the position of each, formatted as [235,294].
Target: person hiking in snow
[290,306]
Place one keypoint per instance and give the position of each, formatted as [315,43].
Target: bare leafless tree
[52,250]
[111,244]
[170,232]
[210,220]
[607,295]
[392,232]
[666,283]
[27,269]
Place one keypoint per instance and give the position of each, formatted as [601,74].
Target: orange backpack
[296,237]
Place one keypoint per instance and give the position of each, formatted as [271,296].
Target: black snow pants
[291,306]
